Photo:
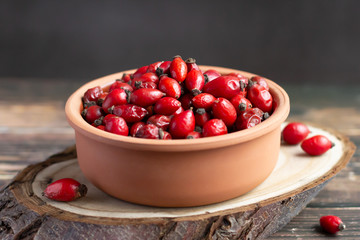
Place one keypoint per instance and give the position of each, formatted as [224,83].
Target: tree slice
[297,178]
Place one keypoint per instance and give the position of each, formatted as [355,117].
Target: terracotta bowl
[177,173]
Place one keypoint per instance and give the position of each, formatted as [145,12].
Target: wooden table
[33,127]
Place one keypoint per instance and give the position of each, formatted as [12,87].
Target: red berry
[122,85]
[195,81]
[169,86]
[191,64]
[65,190]
[117,97]
[107,117]
[193,135]
[182,124]
[240,103]
[126,77]
[186,101]
[149,131]
[164,68]
[139,84]
[224,110]
[153,67]
[102,98]
[201,117]
[135,128]
[316,145]
[92,94]
[224,86]
[243,82]
[203,100]
[261,81]
[140,71]
[130,112]
[92,113]
[332,224]
[117,125]
[145,97]
[145,78]
[214,127]
[211,75]
[167,106]
[101,127]
[180,110]
[164,135]
[178,69]
[161,121]
[260,97]
[295,133]
[249,118]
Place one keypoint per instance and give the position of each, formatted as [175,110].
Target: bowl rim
[73,108]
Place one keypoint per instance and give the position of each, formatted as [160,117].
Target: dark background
[287,41]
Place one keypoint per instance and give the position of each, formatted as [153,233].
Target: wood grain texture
[18,221]
[253,221]
[333,106]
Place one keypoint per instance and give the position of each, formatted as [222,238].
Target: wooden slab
[296,179]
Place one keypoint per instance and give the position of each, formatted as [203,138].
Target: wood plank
[306,224]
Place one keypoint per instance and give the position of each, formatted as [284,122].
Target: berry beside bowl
[178,172]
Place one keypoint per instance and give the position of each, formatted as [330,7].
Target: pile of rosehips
[176,100]
[296,132]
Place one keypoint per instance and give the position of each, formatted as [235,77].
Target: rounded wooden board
[296,179]
[294,173]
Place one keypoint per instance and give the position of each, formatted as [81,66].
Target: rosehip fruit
[92,113]
[153,67]
[178,69]
[203,100]
[316,145]
[149,131]
[224,110]
[167,106]
[191,64]
[140,71]
[117,97]
[195,81]
[186,101]
[169,86]
[295,133]
[182,124]
[145,97]
[214,127]
[65,190]
[135,128]
[164,135]
[260,97]
[240,103]
[146,77]
[161,121]
[332,224]
[211,75]
[107,117]
[201,117]
[139,84]
[122,85]
[117,125]
[249,118]
[193,135]
[130,112]
[261,81]
[92,94]
[164,68]
[126,77]
[224,86]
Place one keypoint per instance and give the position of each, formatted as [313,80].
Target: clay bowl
[177,173]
